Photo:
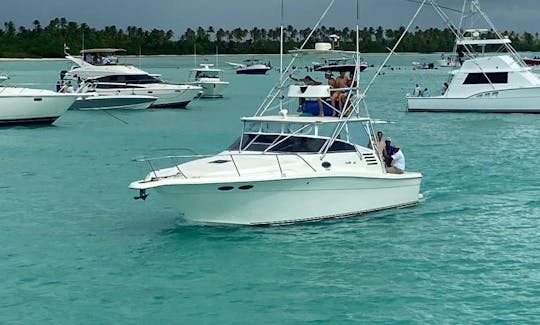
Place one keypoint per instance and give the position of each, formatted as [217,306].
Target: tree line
[49,41]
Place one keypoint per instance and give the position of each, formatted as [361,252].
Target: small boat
[423,65]
[448,62]
[330,62]
[102,67]
[20,106]
[251,66]
[3,77]
[91,100]
[286,168]
[531,62]
[103,102]
[210,79]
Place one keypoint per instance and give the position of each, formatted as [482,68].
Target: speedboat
[423,65]
[496,83]
[531,61]
[32,106]
[327,53]
[286,168]
[92,100]
[210,79]
[251,66]
[101,67]
[448,62]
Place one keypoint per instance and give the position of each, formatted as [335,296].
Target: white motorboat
[210,79]
[3,77]
[32,106]
[329,58]
[92,100]
[448,62]
[110,77]
[495,83]
[423,65]
[286,168]
[251,66]
[104,102]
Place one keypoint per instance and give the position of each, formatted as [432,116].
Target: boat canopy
[102,51]
[304,119]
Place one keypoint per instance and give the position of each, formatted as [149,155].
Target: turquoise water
[76,248]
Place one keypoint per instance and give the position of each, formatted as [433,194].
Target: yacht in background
[251,66]
[497,83]
[102,68]
[332,59]
[20,106]
[210,79]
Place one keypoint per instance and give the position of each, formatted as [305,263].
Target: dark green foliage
[48,41]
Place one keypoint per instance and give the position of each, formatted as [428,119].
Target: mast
[195,55]
[281,60]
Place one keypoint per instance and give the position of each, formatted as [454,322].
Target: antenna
[140,62]
[281,60]
[195,54]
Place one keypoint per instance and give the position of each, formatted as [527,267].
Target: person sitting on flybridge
[397,165]
[308,81]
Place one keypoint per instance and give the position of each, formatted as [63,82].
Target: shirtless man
[341,82]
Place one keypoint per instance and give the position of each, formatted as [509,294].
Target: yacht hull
[212,89]
[167,96]
[290,200]
[253,70]
[113,102]
[509,101]
[31,106]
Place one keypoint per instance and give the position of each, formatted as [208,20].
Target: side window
[486,78]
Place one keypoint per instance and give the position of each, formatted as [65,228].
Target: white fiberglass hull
[168,95]
[32,106]
[291,200]
[524,100]
[211,89]
[112,102]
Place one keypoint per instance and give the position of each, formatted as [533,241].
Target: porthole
[225,188]
[38,99]
[326,164]
[245,187]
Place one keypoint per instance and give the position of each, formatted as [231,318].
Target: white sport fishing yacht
[210,79]
[101,66]
[483,82]
[286,168]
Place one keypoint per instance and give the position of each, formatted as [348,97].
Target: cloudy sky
[177,15]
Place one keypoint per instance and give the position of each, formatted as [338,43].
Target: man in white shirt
[397,166]
[417,91]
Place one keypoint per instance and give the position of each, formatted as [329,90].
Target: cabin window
[486,78]
[258,142]
[133,79]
